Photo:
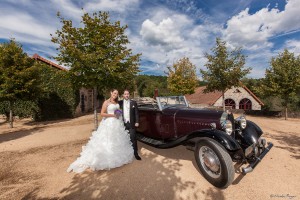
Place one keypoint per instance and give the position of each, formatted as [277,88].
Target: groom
[131,119]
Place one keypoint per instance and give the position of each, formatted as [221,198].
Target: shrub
[60,98]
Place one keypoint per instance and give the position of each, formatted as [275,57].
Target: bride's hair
[112,90]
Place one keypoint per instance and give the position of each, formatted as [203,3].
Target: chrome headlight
[213,125]
[227,126]
[225,123]
[242,121]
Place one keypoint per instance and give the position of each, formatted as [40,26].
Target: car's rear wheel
[214,163]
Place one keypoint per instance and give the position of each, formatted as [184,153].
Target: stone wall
[237,94]
[86,101]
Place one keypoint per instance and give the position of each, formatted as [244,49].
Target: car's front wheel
[214,163]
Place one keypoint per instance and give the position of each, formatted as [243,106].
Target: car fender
[219,136]
[251,133]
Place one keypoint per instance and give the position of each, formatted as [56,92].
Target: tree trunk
[223,100]
[286,115]
[95,108]
[10,115]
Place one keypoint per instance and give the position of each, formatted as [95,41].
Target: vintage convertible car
[218,140]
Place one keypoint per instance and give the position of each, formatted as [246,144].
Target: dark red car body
[169,125]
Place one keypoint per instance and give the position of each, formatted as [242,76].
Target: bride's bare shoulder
[106,103]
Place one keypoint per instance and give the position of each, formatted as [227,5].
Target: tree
[224,69]
[282,79]
[96,53]
[18,76]
[146,85]
[21,108]
[182,78]
[252,84]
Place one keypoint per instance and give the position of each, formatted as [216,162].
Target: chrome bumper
[251,166]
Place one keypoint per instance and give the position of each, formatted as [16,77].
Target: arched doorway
[245,104]
[230,103]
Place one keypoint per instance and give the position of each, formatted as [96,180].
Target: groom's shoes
[137,157]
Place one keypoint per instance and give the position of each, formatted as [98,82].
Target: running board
[149,141]
[159,143]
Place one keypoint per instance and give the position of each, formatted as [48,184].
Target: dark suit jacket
[133,112]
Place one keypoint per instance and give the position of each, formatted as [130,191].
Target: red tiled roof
[199,97]
[37,57]
[253,95]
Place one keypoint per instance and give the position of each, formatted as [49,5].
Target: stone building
[235,98]
[86,101]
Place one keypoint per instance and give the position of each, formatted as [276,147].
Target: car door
[150,121]
[167,128]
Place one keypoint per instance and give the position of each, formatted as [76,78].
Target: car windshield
[165,102]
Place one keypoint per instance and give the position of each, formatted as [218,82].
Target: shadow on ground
[182,153]
[288,141]
[13,135]
[15,180]
[155,177]
[24,174]
[48,122]
[152,178]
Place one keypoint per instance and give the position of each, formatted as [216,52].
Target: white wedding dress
[109,147]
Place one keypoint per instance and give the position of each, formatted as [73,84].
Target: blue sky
[166,30]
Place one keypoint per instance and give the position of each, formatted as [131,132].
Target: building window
[245,104]
[230,103]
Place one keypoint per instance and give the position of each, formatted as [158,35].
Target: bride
[109,147]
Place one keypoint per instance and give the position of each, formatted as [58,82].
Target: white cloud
[259,59]
[293,46]
[111,5]
[162,32]
[66,8]
[33,21]
[168,36]
[165,28]
[165,33]
[257,72]
[290,18]
[25,24]
[31,25]
[252,31]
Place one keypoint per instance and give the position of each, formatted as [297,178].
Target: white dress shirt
[126,105]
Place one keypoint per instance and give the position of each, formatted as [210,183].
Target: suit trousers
[132,137]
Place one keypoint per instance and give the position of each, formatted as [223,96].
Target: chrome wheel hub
[210,161]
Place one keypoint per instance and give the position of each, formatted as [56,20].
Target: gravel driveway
[34,158]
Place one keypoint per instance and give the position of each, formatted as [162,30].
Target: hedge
[60,98]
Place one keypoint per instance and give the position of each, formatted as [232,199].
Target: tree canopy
[19,78]
[282,79]
[182,78]
[225,68]
[96,52]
